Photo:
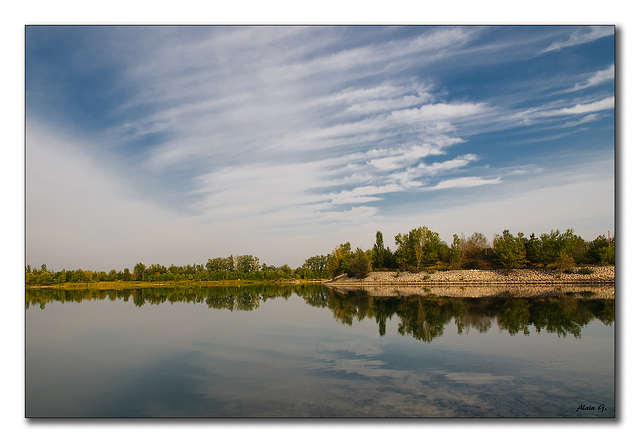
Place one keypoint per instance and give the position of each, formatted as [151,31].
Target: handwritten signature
[600,408]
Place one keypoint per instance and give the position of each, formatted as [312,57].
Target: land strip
[172,284]
[600,275]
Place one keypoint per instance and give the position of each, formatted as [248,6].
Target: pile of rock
[600,275]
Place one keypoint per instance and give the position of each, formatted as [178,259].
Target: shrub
[565,261]
[586,271]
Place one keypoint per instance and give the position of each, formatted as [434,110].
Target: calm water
[310,351]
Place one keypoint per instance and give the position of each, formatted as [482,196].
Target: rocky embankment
[600,275]
[484,283]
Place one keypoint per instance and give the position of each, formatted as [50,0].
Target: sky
[176,144]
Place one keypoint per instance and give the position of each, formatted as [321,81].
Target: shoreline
[600,275]
[521,283]
[173,284]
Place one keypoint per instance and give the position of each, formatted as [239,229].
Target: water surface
[311,351]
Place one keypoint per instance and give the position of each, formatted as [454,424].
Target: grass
[171,284]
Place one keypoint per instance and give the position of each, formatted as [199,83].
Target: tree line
[418,250]
[242,267]
[422,249]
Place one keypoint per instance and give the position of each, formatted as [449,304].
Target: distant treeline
[415,251]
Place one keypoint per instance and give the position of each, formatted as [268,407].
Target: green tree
[139,271]
[533,247]
[419,244]
[405,255]
[551,247]
[285,271]
[555,244]
[427,245]
[338,261]
[221,264]
[316,266]
[455,253]
[510,250]
[381,257]
[420,247]
[359,265]
[247,264]
[378,252]
[601,251]
[573,245]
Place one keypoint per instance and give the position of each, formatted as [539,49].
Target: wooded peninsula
[417,251]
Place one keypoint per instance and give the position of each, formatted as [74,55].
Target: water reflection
[423,317]
[314,351]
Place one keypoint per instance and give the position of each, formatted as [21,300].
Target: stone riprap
[601,275]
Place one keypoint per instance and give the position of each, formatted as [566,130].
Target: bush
[565,261]
[586,271]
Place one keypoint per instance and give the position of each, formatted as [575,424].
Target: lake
[314,351]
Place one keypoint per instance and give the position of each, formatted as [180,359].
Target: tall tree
[378,252]
[139,271]
[405,255]
[426,245]
[455,253]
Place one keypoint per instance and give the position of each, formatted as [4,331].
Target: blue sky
[178,144]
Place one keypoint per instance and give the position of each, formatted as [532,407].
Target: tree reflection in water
[422,317]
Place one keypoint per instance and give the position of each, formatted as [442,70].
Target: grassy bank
[171,284]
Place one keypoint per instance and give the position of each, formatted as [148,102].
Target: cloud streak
[580,37]
[600,77]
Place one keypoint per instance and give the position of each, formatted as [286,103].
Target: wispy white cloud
[465,182]
[581,36]
[605,75]
[582,108]
[401,157]
[590,118]
[559,109]
[363,194]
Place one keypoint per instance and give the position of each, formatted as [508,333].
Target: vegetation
[509,250]
[418,250]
